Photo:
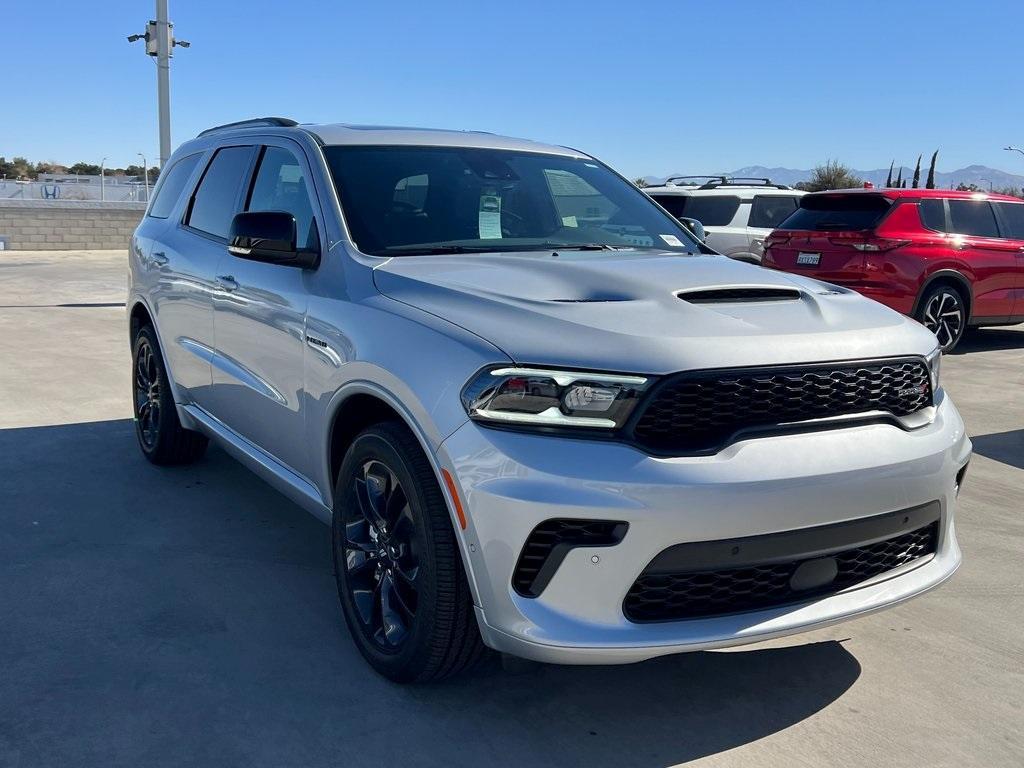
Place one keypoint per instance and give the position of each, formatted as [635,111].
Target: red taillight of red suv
[868,241]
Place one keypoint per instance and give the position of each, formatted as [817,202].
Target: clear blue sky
[649,86]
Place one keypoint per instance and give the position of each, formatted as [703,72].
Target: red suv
[949,259]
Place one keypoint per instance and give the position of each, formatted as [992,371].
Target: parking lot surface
[188,616]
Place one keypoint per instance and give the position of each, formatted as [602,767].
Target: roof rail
[672,179]
[742,181]
[255,122]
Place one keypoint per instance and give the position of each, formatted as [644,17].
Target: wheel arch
[360,404]
[946,277]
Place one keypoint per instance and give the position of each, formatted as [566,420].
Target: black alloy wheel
[944,314]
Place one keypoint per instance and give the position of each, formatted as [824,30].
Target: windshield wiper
[426,250]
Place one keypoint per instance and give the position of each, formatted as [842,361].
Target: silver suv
[736,214]
[538,416]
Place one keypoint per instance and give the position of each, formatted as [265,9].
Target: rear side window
[972,217]
[171,184]
[933,214]
[710,211]
[216,200]
[1013,219]
[827,213]
[768,211]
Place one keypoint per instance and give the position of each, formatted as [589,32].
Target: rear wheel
[401,582]
[161,437]
[944,312]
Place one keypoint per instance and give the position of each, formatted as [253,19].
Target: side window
[933,214]
[674,204]
[768,211]
[717,211]
[170,186]
[280,185]
[1012,220]
[972,217]
[215,200]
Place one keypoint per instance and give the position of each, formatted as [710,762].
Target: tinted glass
[170,186]
[828,213]
[409,200]
[717,211]
[1013,219]
[972,217]
[768,211]
[933,214]
[214,203]
[280,185]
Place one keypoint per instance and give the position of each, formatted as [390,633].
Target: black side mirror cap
[694,227]
[270,237]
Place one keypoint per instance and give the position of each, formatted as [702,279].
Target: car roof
[730,190]
[338,134]
[897,194]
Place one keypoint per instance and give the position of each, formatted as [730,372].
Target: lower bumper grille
[549,543]
[681,593]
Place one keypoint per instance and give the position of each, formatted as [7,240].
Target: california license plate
[808,259]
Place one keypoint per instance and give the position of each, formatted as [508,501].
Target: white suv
[737,213]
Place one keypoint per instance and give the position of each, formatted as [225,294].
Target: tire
[161,437]
[401,582]
[943,311]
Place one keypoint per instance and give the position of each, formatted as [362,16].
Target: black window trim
[246,178]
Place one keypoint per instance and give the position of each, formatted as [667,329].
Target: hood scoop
[739,295]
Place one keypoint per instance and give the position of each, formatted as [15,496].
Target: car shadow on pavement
[988,339]
[189,615]
[1007,447]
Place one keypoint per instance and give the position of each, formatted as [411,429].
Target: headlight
[550,398]
[934,361]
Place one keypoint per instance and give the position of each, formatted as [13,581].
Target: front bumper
[510,482]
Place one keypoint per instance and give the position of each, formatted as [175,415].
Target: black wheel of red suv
[401,582]
[161,437]
[943,312]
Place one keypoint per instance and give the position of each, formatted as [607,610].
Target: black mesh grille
[703,411]
[685,595]
[549,542]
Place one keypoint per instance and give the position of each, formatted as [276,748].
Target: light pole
[145,174]
[1014,149]
[989,183]
[103,189]
[160,44]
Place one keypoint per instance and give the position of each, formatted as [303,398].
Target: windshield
[401,201]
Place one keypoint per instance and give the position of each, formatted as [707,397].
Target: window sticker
[569,221]
[490,217]
[672,240]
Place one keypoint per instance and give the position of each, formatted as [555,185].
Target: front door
[1011,225]
[259,319]
[992,258]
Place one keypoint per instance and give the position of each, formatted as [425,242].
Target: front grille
[687,595]
[703,411]
[549,543]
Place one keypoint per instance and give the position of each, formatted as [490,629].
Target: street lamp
[103,189]
[1014,149]
[989,183]
[145,173]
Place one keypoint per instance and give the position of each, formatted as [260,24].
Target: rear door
[186,258]
[260,316]
[816,239]
[994,260]
[1011,225]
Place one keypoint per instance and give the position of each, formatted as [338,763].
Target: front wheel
[943,312]
[401,582]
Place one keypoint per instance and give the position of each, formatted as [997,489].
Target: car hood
[629,310]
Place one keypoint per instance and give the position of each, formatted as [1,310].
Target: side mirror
[268,236]
[695,228]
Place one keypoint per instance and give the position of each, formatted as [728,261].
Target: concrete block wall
[64,225]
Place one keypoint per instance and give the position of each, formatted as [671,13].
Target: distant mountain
[972,174]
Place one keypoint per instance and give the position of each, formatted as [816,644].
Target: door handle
[227,282]
[158,259]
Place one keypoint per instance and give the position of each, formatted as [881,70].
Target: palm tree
[640,182]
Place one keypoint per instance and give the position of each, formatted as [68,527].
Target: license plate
[808,259]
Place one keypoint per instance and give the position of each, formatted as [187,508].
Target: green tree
[831,175]
[899,178]
[888,179]
[86,169]
[930,184]
[640,182]
[917,172]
